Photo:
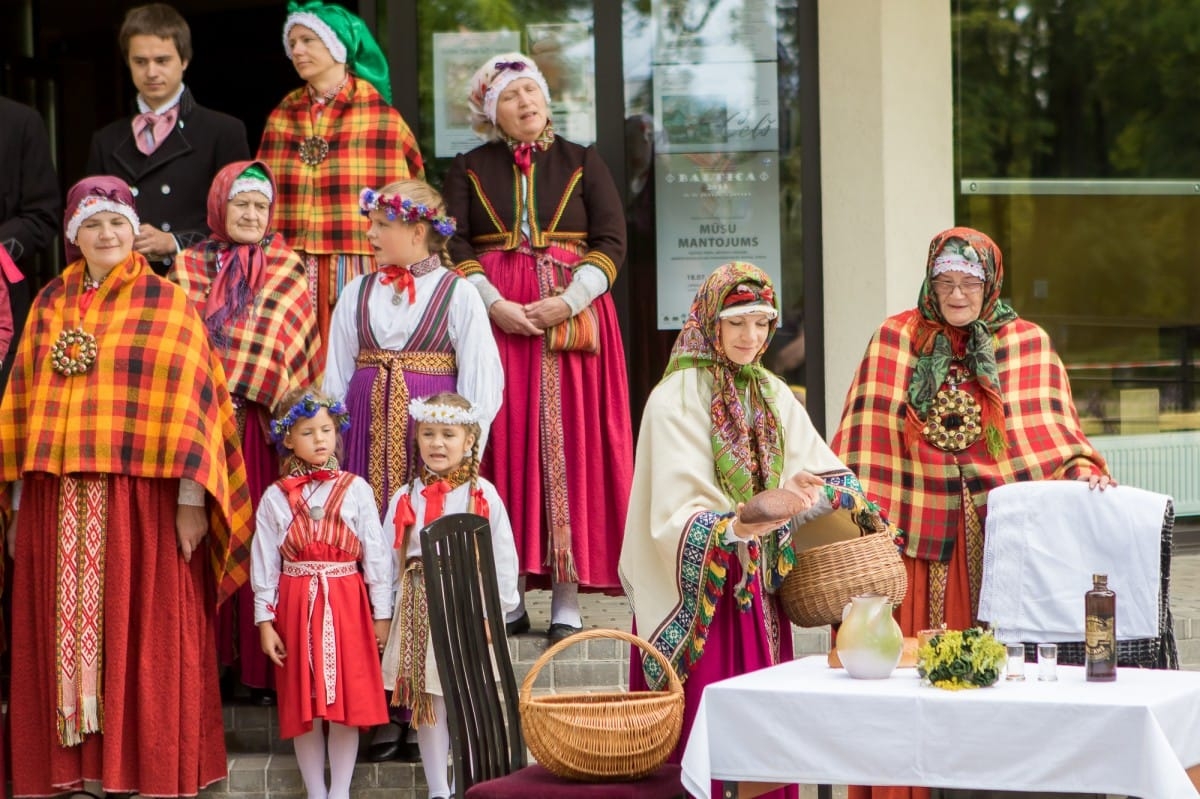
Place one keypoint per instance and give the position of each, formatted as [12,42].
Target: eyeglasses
[946,288]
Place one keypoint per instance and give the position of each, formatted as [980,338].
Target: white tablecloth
[802,722]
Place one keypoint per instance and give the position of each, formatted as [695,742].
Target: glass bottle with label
[1100,605]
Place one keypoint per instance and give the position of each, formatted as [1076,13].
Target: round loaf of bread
[772,505]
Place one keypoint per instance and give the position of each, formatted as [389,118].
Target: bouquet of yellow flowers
[958,659]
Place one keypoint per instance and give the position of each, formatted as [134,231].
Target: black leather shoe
[263,697]
[383,752]
[518,625]
[558,631]
[410,752]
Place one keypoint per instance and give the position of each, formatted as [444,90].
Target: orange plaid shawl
[370,144]
[922,489]
[154,403]
[273,348]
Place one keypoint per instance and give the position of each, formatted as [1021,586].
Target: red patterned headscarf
[244,265]
[747,442]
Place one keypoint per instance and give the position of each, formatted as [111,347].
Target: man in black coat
[170,151]
[30,206]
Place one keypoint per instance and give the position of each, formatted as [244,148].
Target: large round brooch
[954,421]
[313,150]
[73,353]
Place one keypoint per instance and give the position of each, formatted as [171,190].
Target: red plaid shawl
[273,347]
[921,490]
[154,404]
[316,207]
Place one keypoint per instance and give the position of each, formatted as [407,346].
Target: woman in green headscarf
[953,398]
[717,430]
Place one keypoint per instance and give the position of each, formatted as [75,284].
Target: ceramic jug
[869,642]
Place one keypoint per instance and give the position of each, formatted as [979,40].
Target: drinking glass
[1016,661]
[1048,662]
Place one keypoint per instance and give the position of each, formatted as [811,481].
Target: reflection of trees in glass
[1086,89]
[1078,88]
[435,16]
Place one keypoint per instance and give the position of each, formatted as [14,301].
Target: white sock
[343,750]
[564,605]
[434,743]
[513,615]
[310,756]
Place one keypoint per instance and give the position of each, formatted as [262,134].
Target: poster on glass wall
[566,56]
[717,107]
[456,56]
[695,31]
[712,208]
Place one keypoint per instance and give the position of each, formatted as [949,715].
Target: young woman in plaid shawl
[250,289]
[328,139]
[718,430]
[119,434]
[953,398]
[541,235]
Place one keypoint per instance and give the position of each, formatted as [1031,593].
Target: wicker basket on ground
[826,577]
[600,737]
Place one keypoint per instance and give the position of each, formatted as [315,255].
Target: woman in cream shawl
[718,429]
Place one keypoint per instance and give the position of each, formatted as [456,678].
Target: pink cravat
[150,129]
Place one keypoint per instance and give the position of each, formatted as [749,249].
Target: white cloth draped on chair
[1043,542]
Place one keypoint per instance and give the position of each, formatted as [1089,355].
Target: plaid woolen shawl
[153,405]
[316,207]
[273,347]
[921,486]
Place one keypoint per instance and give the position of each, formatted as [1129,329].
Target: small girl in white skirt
[446,481]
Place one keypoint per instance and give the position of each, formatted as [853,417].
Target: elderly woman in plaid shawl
[953,398]
[251,291]
[118,435]
[328,139]
[718,430]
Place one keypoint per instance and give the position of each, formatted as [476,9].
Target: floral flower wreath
[397,206]
[306,408]
[436,413]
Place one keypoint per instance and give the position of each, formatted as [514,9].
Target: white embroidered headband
[436,413]
[94,204]
[964,260]
[318,26]
[509,71]
[243,185]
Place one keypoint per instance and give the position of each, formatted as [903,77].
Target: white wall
[886,166]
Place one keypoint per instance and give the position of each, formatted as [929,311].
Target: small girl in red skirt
[319,566]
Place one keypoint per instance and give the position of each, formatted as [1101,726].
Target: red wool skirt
[163,733]
[358,688]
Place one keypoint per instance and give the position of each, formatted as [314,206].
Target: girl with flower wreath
[411,329]
[447,481]
[717,430]
[322,578]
